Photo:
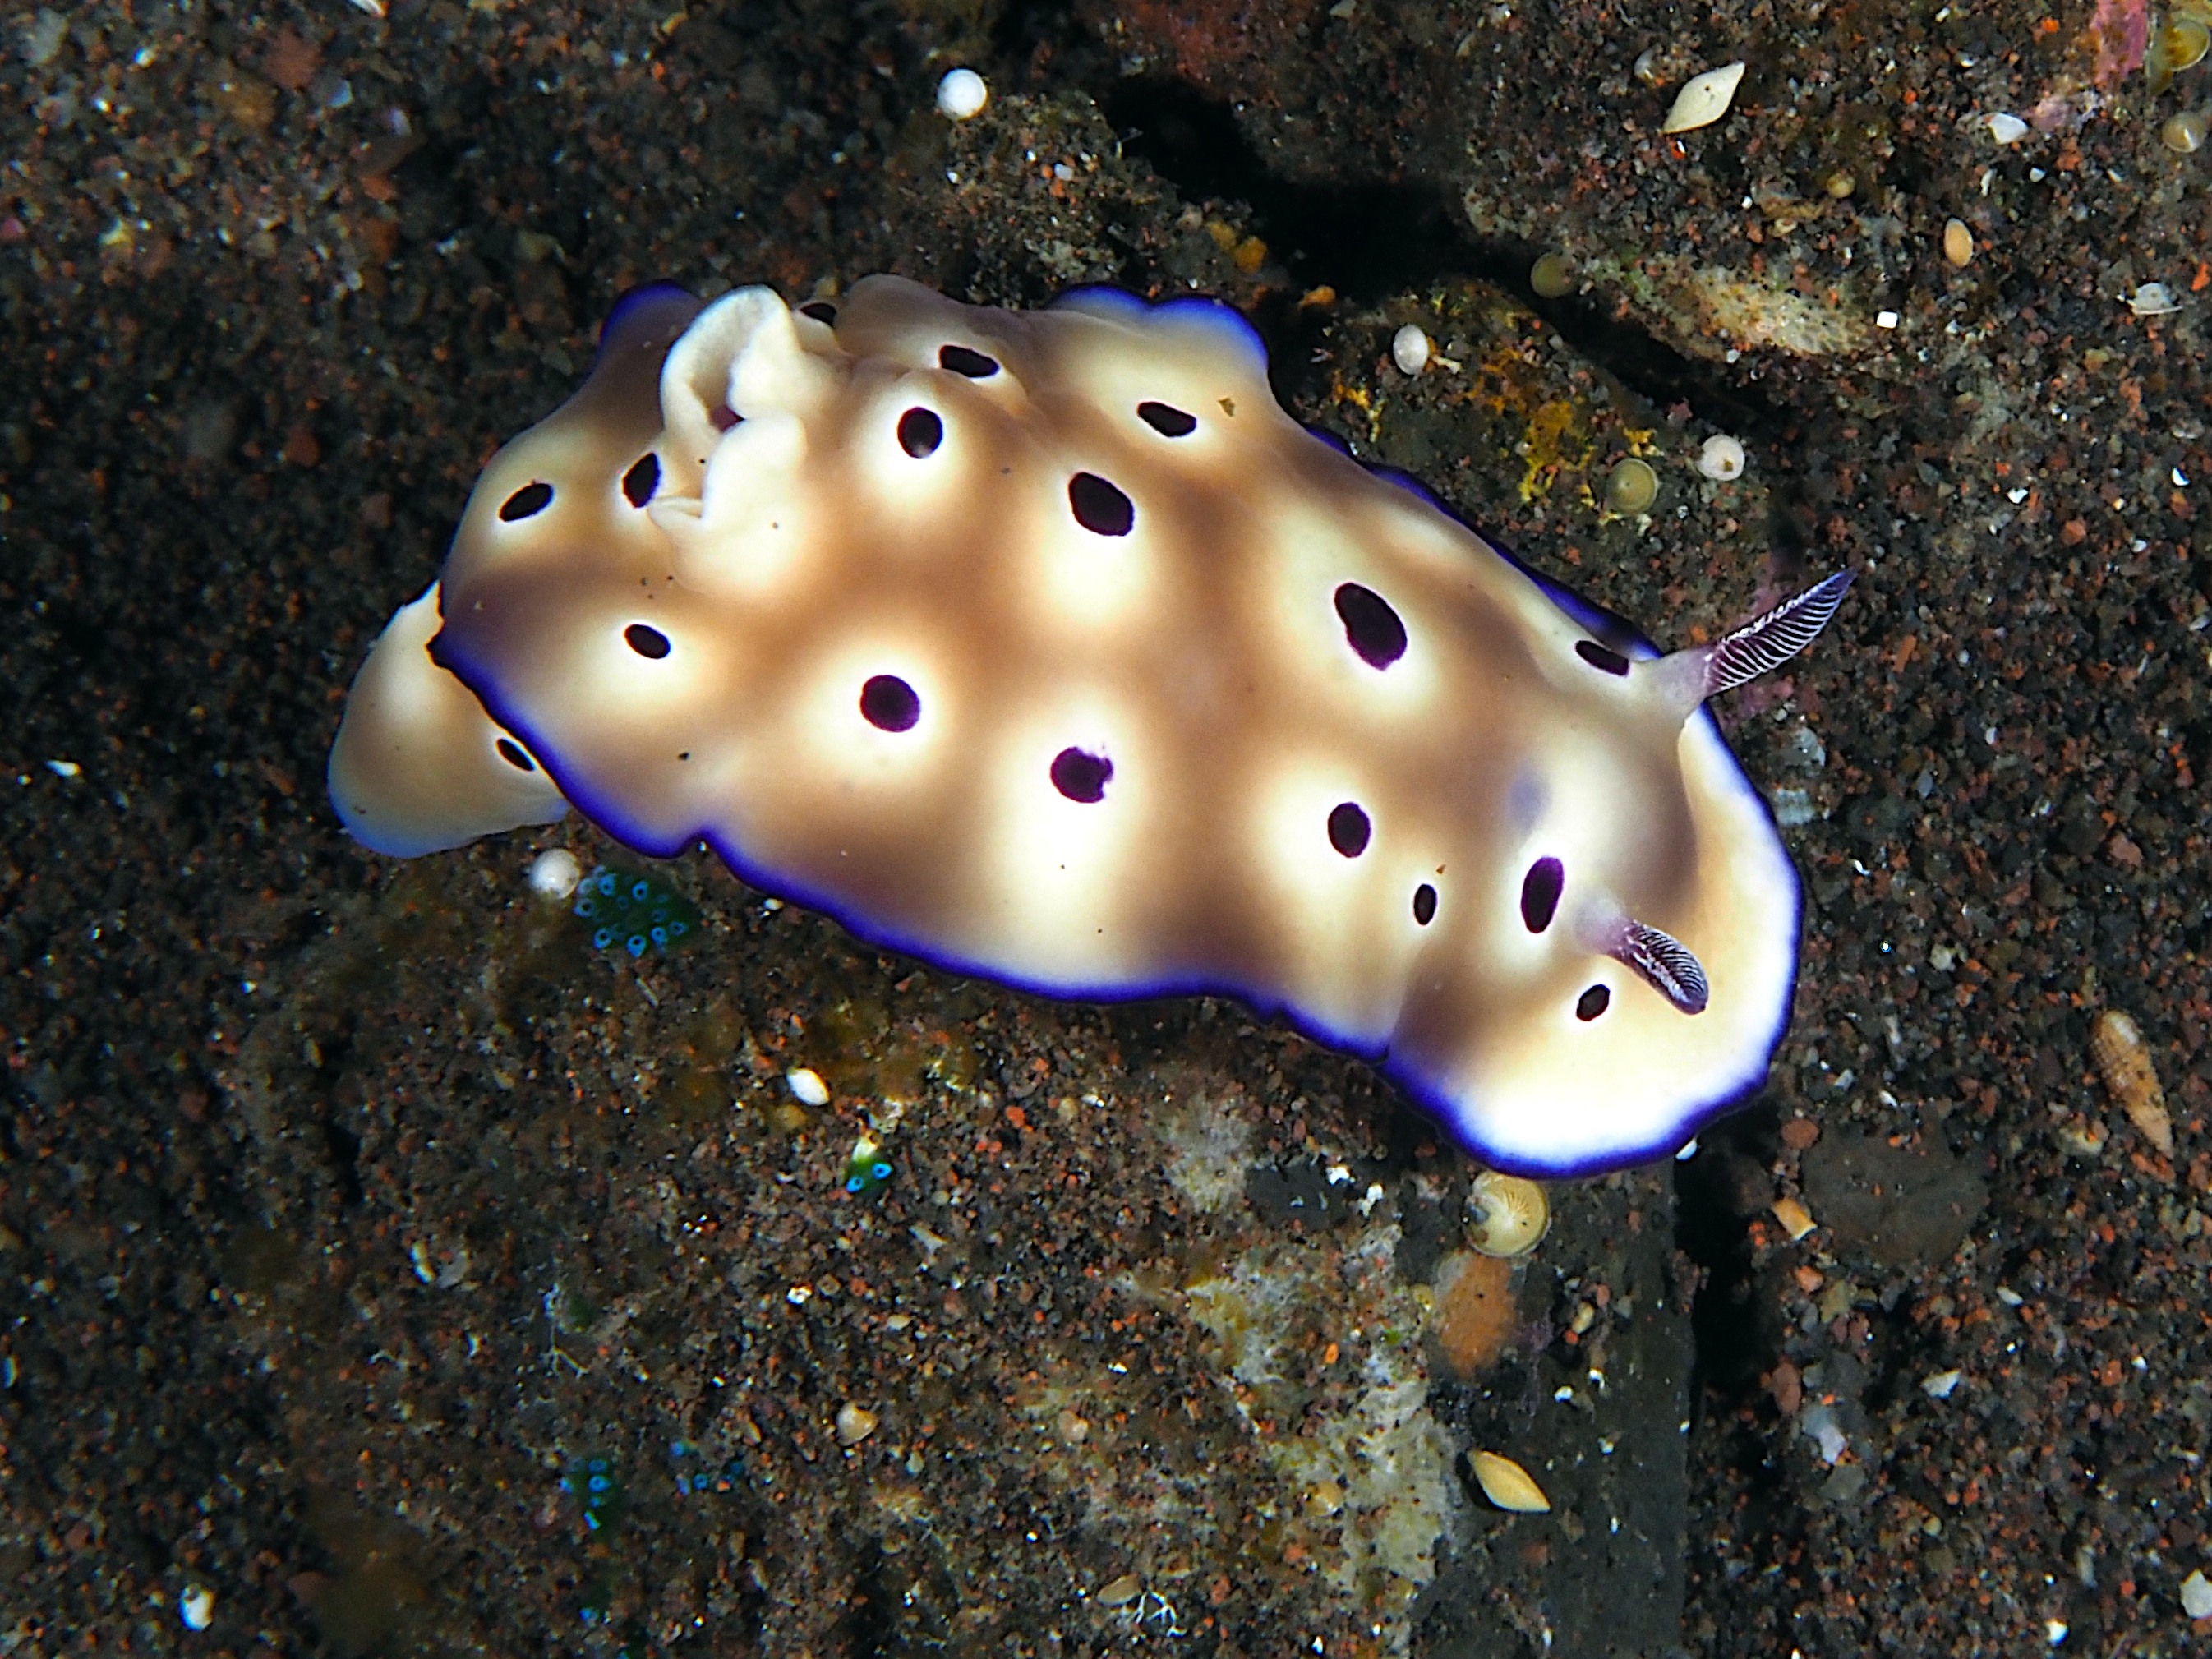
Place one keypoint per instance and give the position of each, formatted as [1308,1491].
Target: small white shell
[554,872]
[1506,1216]
[807,1086]
[1704,99]
[1722,458]
[1507,1485]
[2008,129]
[2153,300]
[1409,348]
[961,93]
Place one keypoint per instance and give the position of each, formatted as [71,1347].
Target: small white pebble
[2153,300]
[1688,1151]
[1939,1386]
[961,93]
[1886,319]
[2196,1596]
[2054,1631]
[1722,458]
[195,1606]
[554,872]
[63,768]
[2008,129]
[806,1083]
[1409,348]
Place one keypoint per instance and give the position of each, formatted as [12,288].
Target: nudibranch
[1046,647]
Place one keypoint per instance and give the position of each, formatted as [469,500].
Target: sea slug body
[1046,647]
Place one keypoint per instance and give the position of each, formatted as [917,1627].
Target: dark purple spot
[919,432]
[646,642]
[963,361]
[1080,776]
[1100,507]
[643,479]
[1425,904]
[1371,627]
[1610,662]
[889,703]
[1167,420]
[511,752]
[724,418]
[1539,893]
[529,500]
[820,310]
[1593,1002]
[1349,830]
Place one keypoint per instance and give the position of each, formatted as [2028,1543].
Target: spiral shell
[1505,1215]
[2123,1058]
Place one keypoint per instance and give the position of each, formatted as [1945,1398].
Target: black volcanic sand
[379,1260]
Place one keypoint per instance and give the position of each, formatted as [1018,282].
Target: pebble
[554,872]
[195,1606]
[1410,349]
[806,1085]
[2196,1596]
[854,1423]
[1958,243]
[1722,458]
[962,94]
[1704,99]
[2008,129]
[1552,276]
[1796,1220]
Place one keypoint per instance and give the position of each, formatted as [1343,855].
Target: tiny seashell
[1958,243]
[554,872]
[1631,487]
[1507,1485]
[1704,99]
[1722,458]
[1506,1215]
[807,1086]
[854,1423]
[962,94]
[2153,300]
[2008,129]
[1409,348]
[1119,1592]
[2123,1058]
